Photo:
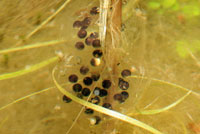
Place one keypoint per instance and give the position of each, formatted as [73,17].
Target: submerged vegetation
[132,66]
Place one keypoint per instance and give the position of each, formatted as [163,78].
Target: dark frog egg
[89,41]
[79,95]
[77,87]
[125,95]
[97,53]
[84,70]
[85,92]
[77,24]
[126,73]
[73,78]
[118,97]
[107,105]
[94,11]
[124,85]
[82,33]
[103,93]
[79,45]
[106,83]
[96,43]
[66,99]
[95,77]
[87,81]
[86,22]
[89,111]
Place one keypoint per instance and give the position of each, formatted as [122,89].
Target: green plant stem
[25,97]
[168,83]
[29,69]
[156,111]
[48,19]
[36,45]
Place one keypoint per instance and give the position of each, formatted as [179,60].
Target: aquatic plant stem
[25,97]
[166,82]
[28,69]
[45,22]
[48,19]
[104,7]
[31,46]
[111,51]
[164,109]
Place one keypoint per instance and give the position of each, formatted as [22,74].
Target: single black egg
[66,99]
[124,85]
[106,84]
[73,78]
[77,24]
[125,95]
[82,33]
[86,92]
[77,87]
[89,111]
[79,45]
[88,41]
[84,70]
[95,77]
[96,43]
[97,53]
[87,81]
[103,93]
[118,97]
[94,11]
[79,95]
[86,22]
[107,105]
[126,73]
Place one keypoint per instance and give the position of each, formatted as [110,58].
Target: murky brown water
[149,45]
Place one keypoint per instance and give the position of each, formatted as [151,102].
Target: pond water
[159,44]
